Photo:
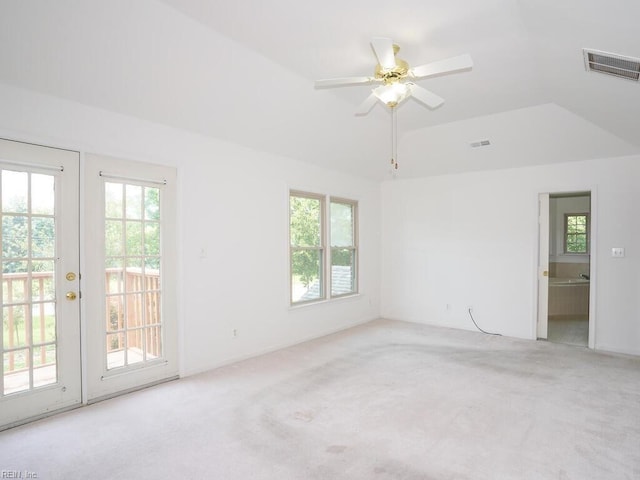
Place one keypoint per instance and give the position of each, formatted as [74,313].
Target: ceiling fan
[396,78]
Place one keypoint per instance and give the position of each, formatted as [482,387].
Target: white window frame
[566,233]
[325,247]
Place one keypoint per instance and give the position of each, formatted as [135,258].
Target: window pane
[343,271]
[305,221]
[43,237]
[115,350]
[113,200]
[44,366]
[115,313]
[134,238]
[14,327]
[15,186]
[16,371]
[14,281]
[134,201]
[341,225]
[14,236]
[42,194]
[152,203]
[113,238]
[135,346]
[43,323]
[152,238]
[42,284]
[306,275]
[154,342]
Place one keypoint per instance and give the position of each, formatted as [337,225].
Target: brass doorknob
[71,295]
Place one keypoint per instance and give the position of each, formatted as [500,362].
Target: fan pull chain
[394,140]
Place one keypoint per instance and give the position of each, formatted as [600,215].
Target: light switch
[617,252]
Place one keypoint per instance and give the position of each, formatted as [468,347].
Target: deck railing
[28,307]
[136,293]
[18,317]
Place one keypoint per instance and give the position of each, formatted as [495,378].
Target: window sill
[325,301]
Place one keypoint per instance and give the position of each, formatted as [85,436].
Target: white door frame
[543,266]
[593,249]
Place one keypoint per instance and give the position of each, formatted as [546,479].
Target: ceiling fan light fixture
[392,94]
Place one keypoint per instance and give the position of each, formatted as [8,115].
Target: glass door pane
[29,321]
[133,326]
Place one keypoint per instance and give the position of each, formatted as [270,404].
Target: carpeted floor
[386,400]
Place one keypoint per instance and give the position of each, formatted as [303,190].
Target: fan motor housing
[389,76]
[399,71]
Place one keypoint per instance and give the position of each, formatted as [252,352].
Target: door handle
[71,296]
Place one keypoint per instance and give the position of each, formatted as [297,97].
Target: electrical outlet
[234,333]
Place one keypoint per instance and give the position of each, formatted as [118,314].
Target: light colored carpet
[386,400]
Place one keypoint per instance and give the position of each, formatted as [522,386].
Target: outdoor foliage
[132,228]
[305,231]
[306,237]
[576,231]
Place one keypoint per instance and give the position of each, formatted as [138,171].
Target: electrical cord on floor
[483,331]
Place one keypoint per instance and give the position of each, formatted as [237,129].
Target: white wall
[471,240]
[233,203]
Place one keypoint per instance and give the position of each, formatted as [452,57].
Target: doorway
[565,271]
[69,338]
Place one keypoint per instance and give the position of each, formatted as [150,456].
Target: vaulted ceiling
[244,72]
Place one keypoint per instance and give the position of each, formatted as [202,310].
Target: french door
[88,294]
[40,281]
[130,263]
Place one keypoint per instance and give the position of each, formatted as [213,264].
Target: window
[576,233]
[308,237]
[306,232]
[343,247]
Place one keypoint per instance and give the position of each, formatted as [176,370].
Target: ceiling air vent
[480,143]
[612,64]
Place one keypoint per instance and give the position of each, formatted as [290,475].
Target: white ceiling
[244,72]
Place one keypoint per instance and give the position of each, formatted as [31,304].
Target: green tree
[305,215]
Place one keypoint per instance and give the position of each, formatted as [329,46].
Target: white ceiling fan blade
[366,106]
[383,48]
[422,95]
[340,82]
[449,65]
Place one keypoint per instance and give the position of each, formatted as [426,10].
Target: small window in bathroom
[576,233]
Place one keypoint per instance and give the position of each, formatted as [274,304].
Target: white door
[40,333]
[130,296]
[543,265]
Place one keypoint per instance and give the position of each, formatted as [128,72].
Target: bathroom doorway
[567,273]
